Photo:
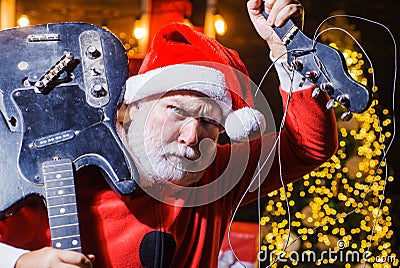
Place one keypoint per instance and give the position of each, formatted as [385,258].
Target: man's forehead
[184,92]
[188,96]
[193,101]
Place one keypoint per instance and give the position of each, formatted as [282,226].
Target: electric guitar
[325,67]
[60,86]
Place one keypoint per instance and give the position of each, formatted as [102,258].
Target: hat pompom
[245,124]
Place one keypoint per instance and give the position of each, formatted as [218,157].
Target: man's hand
[50,257]
[279,12]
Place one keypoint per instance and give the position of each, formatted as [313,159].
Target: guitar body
[60,87]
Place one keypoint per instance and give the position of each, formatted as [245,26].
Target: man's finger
[268,4]
[276,8]
[75,258]
[253,6]
[294,11]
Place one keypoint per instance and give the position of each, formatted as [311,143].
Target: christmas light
[219,24]
[23,21]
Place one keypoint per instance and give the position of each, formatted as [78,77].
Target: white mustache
[181,150]
[173,149]
[180,156]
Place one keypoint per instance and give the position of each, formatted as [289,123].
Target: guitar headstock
[325,67]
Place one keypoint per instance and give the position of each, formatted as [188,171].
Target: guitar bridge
[44,82]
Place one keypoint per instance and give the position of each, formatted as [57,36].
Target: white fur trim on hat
[206,80]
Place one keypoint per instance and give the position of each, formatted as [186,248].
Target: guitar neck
[61,204]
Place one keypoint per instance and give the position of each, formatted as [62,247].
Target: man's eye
[176,110]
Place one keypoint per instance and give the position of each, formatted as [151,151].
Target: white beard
[157,162]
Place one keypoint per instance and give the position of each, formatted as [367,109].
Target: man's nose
[189,133]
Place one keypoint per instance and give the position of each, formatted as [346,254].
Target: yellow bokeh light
[23,21]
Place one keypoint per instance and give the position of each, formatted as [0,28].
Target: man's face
[172,138]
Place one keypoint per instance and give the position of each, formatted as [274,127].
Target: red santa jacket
[144,232]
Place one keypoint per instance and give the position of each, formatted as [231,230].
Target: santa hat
[181,58]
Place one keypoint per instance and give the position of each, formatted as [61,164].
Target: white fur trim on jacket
[288,83]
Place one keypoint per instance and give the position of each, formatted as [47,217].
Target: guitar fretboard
[61,204]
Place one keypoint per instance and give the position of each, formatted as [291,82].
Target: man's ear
[125,112]
[131,110]
[121,113]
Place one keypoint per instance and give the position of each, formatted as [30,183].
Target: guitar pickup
[53,139]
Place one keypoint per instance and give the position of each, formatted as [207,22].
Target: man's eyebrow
[189,109]
[198,110]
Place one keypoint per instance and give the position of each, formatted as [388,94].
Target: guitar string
[389,145]
[385,151]
[380,164]
[259,168]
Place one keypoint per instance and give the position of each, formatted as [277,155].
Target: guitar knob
[93,53]
[327,87]
[330,104]
[344,100]
[346,116]
[315,92]
[98,91]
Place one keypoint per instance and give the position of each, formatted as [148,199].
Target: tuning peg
[346,116]
[297,65]
[344,100]
[316,92]
[98,91]
[330,104]
[327,87]
[312,75]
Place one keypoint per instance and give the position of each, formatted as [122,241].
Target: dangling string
[259,168]
[277,141]
[385,151]
[394,125]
